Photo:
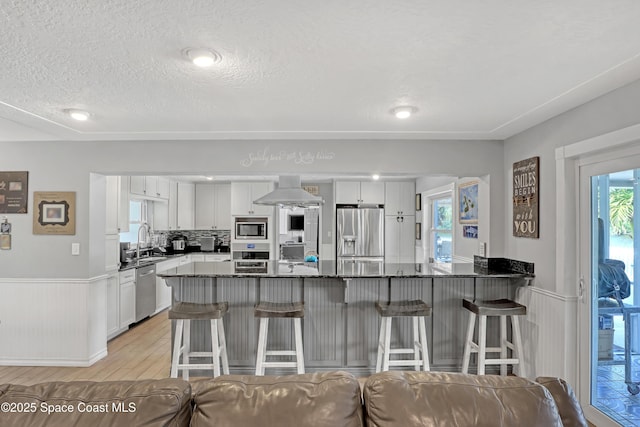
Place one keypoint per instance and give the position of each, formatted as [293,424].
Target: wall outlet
[75,249]
[482,249]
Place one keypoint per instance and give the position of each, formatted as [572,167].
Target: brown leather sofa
[331,399]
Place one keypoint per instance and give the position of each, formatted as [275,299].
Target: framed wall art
[14,192]
[526,207]
[468,202]
[54,213]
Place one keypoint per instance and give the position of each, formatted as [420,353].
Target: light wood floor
[143,352]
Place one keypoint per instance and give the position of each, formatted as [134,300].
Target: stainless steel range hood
[289,192]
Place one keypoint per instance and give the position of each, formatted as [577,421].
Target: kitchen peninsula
[341,323]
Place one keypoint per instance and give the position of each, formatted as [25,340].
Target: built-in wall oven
[251,228]
[250,257]
[254,251]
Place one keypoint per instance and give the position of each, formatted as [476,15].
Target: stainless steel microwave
[253,228]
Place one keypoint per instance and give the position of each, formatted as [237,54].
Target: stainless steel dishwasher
[145,291]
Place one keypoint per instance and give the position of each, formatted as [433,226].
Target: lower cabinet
[163,292]
[113,305]
[127,298]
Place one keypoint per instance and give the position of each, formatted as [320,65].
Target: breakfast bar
[340,326]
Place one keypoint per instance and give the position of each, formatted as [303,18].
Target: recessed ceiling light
[375,177]
[203,57]
[209,178]
[78,115]
[404,112]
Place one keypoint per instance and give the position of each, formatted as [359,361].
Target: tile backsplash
[193,236]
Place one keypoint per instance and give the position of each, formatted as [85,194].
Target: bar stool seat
[291,310]
[267,310]
[503,308]
[183,313]
[418,310]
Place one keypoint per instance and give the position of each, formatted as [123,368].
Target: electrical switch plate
[482,248]
[75,249]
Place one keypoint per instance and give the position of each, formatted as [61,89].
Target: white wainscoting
[549,333]
[52,322]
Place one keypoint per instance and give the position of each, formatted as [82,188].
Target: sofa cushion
[406,399]
[566,401]
[165,402]
[331,399]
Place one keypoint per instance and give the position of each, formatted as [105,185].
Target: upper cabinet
[351,192]
[244,193]
[185,217]
[399,198]
[149,186]
[117,214]
[163,187]
[213,207]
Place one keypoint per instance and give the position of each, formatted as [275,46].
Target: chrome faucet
[143,226]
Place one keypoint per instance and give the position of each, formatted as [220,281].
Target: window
[440,233]
[137,216]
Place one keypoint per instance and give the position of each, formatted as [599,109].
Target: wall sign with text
[14,192]
[526,198]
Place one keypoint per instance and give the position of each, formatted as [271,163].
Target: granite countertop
[160,258]
[333,269]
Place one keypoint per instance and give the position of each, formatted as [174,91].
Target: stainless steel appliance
[145,291]
[250,251]
[251,266]
[360,233]
[251,228]
[207,244]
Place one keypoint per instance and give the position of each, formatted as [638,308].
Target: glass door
[609,217]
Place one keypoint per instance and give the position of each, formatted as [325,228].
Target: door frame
[616,145]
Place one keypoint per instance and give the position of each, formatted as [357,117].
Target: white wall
[559,335]
[66,166]
[612,111]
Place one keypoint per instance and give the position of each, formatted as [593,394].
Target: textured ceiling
[327,69]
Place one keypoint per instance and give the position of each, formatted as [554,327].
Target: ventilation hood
[289,192]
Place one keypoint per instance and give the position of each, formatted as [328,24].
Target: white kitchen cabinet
[244,193]
[212,206]
[117,204]
[146,187]
[222,209]
[163,292]
[111,252]
[165,210]
[113,305]
[112,199]
[137,186]
[185,218]
[399,198]
[399,238]
[123,204]
[163,187]
[160,215]
[351,192]
[173,206]
[127,298]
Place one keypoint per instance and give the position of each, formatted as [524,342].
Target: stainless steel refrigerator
[360,239]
